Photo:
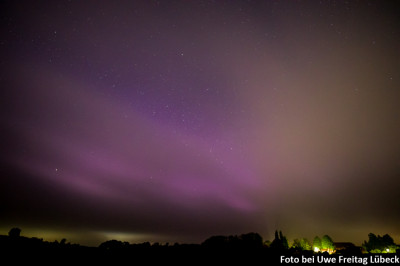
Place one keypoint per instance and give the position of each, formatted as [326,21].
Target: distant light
[316,249]
[387,250]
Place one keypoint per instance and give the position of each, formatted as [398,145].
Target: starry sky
[172,121]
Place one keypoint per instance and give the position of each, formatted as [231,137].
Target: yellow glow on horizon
[125,237]
[83,237]
[50,235]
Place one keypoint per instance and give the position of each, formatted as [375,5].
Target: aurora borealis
[178,120]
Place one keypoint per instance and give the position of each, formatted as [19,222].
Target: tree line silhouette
[246,246]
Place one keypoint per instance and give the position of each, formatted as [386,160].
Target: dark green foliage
[378,244]
[301,244]
[317,243]
[327,243]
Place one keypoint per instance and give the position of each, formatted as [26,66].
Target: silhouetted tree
[216,241]
[14,232]
[284,240]
[280,242]
[233,241]
[379,244]
[251,240]
[387,240]
[280,234]
[113,244]
[267,243]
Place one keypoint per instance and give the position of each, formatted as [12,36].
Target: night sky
[173,121]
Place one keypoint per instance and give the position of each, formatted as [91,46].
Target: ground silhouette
[246,248]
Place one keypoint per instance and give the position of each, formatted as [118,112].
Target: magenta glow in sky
[175,121]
